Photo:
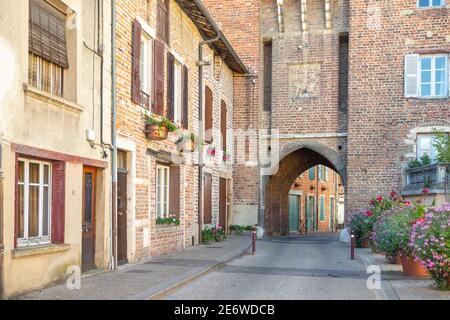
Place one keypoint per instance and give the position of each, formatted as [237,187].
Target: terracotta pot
[189,146]
[394,260]
[155,132]
[366,243]
[413,268]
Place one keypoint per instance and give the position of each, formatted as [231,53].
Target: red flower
[393,195]
[369,213]
[407,203]
[420,220]
[379,198]
[425,191]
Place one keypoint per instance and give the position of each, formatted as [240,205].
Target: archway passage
[296,158]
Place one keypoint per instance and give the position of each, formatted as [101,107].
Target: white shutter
[412,75]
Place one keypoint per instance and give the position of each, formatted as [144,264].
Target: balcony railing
[433,177]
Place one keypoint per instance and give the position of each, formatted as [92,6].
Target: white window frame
[146,63]
[27,241]
[178,91]
[162,204]
[433,75]
[430,4]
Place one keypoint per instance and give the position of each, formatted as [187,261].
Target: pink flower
[425,191]
[408,203]
[369,213]
[393,195]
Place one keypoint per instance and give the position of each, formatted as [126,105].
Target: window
[425,145]
[162,191]
[178,92]
[426,76]
[146,64]
[431,3]
[312,173]
[47,47]
[34,202]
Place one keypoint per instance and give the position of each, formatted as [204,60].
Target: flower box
[211,151]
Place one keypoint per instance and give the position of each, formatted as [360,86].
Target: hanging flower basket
[158,127]
[156,132]
[226,157]
[188,143]
[211,151]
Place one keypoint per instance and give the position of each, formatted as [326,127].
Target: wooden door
[223,202]
[122,208]
[207,198]
[88,230]
[293,213]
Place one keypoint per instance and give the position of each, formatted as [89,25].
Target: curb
[386,292]
[163,289]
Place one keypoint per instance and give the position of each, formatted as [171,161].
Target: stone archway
[296,157]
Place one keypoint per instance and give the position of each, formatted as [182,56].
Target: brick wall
[184,40]
[381,119]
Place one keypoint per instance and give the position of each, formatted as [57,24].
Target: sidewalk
[396,286]
[150,279]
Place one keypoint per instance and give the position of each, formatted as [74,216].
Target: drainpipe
[201,133]
[1,226]
[113,212]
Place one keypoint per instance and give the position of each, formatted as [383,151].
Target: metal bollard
[352,247]
[254,242]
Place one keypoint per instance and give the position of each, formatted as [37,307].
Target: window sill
[426,98]
[39,250]
[167,226]
[52,99]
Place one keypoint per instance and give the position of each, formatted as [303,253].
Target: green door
[310,212]
[293,213]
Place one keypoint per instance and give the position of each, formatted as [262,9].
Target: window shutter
[136,71]
[185,118]
[170,86]
[47,33]
[311,173]
[223,124]
[58,201]
[412,75]
[322,208]
[159,77]
[207,202]
[174,191]
[208,115]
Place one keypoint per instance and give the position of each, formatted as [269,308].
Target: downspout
[201,133]
[1,226]
[113,212]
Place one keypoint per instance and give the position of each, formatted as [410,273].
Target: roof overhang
[208,30]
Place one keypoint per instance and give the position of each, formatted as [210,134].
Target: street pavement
[314,266]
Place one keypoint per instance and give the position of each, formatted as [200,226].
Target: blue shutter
[322,208]
[312,173]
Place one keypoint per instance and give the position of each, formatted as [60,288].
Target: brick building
[316,201]
[158,73]
[55,141]
[356,86]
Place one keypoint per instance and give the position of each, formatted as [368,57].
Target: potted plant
[188,142]
[357,225]
[211,151]
[391,232]
[429,243]
[158,127]
[226,156]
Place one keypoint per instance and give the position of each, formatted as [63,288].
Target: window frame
[27,241]
[147,72]
[430,5]
[162,205]
[432,70]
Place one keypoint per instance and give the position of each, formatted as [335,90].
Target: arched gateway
[296,157]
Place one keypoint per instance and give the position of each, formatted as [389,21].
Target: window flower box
[211,151]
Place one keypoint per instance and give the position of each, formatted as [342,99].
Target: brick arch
[296,157]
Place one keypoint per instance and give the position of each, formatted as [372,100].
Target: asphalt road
[314,266]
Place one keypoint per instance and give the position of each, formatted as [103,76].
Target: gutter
[113,190]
